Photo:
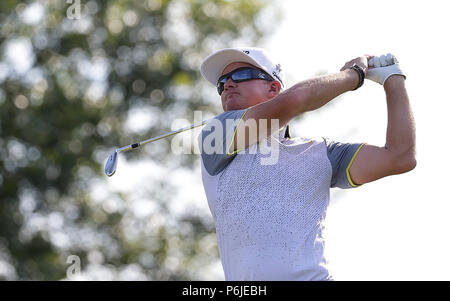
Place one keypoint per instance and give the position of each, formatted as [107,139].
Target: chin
[233,107]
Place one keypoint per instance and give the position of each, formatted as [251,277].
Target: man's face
[237,96]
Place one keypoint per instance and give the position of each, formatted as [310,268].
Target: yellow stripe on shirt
[234,134]
[350,164]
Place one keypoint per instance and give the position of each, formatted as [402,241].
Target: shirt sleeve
[341,156]
[216,138]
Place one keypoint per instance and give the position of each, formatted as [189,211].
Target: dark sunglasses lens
[237,76]
[242,75]
[220,88]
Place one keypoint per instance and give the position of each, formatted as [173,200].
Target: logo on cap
[278,68]
[276,72]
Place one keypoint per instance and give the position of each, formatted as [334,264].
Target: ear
[274,88]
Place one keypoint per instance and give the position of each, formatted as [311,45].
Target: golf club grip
[391,61]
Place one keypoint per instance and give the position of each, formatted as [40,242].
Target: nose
[229,83]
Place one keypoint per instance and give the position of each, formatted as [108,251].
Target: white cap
[213,66]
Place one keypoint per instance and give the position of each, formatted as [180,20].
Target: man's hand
[382,67]
[362,61]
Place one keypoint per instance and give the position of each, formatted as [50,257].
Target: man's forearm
[400,136]
[313,93]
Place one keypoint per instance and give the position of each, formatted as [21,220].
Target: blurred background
[80,78]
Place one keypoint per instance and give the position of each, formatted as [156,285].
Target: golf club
[111,163]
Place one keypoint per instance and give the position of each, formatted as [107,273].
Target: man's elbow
[407,164]
[412,164]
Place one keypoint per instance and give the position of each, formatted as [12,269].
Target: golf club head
[111,163]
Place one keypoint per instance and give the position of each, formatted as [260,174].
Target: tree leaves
[67,106]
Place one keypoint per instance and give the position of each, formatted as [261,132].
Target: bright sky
[395,228]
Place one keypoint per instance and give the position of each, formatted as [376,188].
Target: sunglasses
[241,75]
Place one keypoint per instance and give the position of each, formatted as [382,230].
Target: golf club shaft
[138,144]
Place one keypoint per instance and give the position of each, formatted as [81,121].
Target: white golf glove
[380,68]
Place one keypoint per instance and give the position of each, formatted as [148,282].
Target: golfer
[270,216]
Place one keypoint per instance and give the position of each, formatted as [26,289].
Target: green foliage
[66,89]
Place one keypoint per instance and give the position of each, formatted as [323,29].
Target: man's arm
[305,96]
[398,154]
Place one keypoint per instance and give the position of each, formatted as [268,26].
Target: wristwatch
[360,74]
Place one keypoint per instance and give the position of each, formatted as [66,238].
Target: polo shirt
[269,218]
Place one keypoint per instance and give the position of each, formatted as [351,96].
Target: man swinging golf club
[269,217]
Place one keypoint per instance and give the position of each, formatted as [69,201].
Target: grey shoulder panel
[216,137]
[341,156]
